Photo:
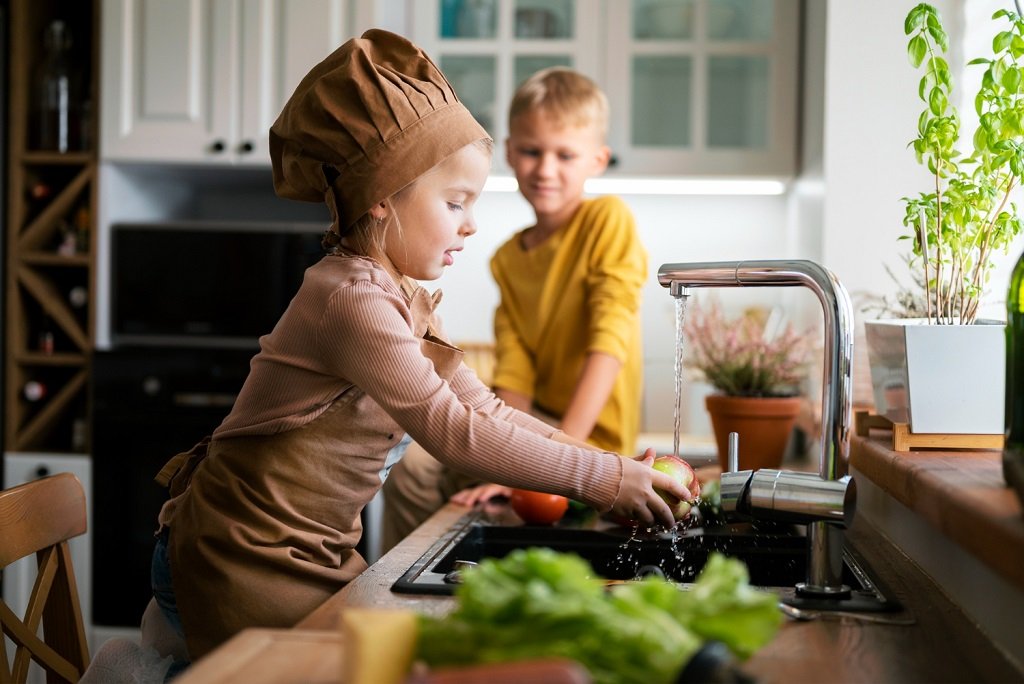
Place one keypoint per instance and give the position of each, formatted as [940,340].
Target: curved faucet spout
[837,382]
[836,411]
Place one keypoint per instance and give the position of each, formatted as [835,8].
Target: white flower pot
[946,379]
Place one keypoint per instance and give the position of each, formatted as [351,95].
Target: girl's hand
[474,495]
[638,499]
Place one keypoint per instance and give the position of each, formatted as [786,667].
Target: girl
[264,516]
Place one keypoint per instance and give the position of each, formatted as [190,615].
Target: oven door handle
[204,399]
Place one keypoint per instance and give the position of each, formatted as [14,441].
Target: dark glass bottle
[1013,449]
[57,102]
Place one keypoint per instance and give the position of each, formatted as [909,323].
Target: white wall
[673,229]
[871,112]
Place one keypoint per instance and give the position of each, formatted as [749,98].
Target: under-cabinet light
[661,186]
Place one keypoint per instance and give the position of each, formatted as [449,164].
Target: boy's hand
[474,495]
[638,499]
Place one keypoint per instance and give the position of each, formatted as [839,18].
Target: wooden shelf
[54,259]
[57,158]
[56,359]
[38,278]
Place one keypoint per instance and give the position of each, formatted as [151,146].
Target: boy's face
[552,161]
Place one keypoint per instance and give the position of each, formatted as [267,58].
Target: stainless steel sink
[775,555]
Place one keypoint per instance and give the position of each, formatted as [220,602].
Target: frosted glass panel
[740,19]
[469,18]
[662,92]
[544,19]
[738,101]
[473,79]
[528,65]
[662,19]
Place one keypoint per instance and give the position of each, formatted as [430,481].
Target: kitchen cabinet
[203,80]
[50,220]
[696,87]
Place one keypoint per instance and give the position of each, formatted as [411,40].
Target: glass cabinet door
[701,87]
[486,48]
[696,87]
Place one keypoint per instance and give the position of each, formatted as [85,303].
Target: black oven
[188,304]
[149,403]
[209,285]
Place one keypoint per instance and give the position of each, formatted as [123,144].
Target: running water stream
[678,409]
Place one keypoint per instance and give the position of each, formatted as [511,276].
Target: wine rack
[50,241]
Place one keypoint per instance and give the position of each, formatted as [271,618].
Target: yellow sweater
[576,293]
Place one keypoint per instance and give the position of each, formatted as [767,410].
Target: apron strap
[177,472]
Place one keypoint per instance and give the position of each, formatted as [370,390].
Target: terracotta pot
[764,425]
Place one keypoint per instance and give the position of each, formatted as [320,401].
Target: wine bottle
[34,391]
[57,100]
[1013,449]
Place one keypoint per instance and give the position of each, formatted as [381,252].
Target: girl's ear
[379,211]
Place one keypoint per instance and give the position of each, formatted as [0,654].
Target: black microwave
[211,285]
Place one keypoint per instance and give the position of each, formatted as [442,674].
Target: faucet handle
[734,492]
[733,459]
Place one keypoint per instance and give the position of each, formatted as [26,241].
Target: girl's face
[435,214]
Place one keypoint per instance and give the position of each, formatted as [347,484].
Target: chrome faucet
[825,534]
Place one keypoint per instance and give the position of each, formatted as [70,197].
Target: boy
[567,328]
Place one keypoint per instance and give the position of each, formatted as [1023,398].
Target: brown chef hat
[364,123]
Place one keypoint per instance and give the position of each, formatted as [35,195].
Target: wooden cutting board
[272,656]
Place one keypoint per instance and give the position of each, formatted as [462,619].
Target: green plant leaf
[937,101]
[1011,79]
[1002,41]
[917,49]
[915,18]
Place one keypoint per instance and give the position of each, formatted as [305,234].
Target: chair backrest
[38,518]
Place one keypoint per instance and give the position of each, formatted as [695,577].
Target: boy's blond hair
[565,95]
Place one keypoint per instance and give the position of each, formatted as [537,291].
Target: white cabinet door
[696,87]
[281,40]
[203,80]
[167,84]
[486,48]
[703,87]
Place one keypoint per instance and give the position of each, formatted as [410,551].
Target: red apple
[680,471]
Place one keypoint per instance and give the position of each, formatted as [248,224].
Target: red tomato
[538,508]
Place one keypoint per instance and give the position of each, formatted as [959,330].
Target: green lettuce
[538,603]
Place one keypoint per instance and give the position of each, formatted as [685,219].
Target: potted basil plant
[944,372]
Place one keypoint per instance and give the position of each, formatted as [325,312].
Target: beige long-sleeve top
[352,324]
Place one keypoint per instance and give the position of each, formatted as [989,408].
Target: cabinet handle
[217,146]
[246,147]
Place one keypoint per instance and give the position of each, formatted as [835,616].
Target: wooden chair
[39,517]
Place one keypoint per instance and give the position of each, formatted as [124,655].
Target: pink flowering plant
[748,356]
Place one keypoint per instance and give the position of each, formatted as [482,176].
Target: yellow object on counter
[379,645]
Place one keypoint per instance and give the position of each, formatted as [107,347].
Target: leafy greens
[538,603]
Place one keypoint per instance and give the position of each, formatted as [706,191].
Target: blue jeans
[163,592]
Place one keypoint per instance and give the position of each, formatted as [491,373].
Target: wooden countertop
[931,640]
[961,493]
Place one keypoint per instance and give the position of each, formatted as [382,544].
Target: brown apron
[264,528]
